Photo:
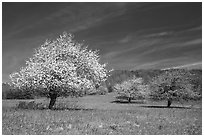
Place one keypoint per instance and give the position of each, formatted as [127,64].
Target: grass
[101,115]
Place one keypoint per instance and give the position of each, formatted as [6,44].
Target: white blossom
[133,88]
[63,64]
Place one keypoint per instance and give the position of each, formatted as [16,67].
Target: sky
[129,36]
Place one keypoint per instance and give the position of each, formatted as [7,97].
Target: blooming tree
[131,89]
[61,67]
[172,85]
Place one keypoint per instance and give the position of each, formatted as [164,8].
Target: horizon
[129,36]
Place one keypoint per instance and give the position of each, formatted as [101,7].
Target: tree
[172,85]
[131,89]
[61,67]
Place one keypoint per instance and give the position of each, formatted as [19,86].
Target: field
[101,114]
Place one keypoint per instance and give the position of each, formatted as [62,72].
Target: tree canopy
[172,85]
[61,67]
[131,89]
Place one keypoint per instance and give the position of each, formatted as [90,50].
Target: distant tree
[131,89]
[61,67]
[172,85]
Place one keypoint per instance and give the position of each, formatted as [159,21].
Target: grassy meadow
[102,114]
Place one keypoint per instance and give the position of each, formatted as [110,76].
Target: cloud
[153,64]
[160,34]
[170,45]
[191,42]
[110,55]
[137,47]
[146,65]
[168,63]
[198,28]
[191,65]
[77,17]
[125,39]
[157,52]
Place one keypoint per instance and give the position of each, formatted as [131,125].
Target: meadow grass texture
[102,116]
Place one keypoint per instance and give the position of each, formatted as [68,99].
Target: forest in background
[117,76]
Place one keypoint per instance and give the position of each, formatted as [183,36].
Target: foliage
[196,80]
[131,89]
[118,76]
[62,66]
[110,88]
[102,90]
[17,94]
[172,85]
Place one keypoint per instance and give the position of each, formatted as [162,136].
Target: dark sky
[128,35]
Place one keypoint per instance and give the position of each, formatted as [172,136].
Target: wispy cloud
[154,64]
[138,47]
[195,28]
[72,19]
[172,44]
[191,65]
[191,42]
[125,39]
[168,63]
[159,34]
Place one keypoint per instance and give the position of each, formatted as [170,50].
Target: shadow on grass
[40,106]
[55,109]
[166,107]
[72,109]
[126,102]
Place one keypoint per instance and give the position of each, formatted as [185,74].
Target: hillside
[118,76]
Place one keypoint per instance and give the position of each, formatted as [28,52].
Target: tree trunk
[169,102]
[129,100]
[53,98]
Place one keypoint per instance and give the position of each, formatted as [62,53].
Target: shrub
[102,90]
[110,89]
[18,94]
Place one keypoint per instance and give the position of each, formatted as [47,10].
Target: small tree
[172,85]
[61,67]
[131,89]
